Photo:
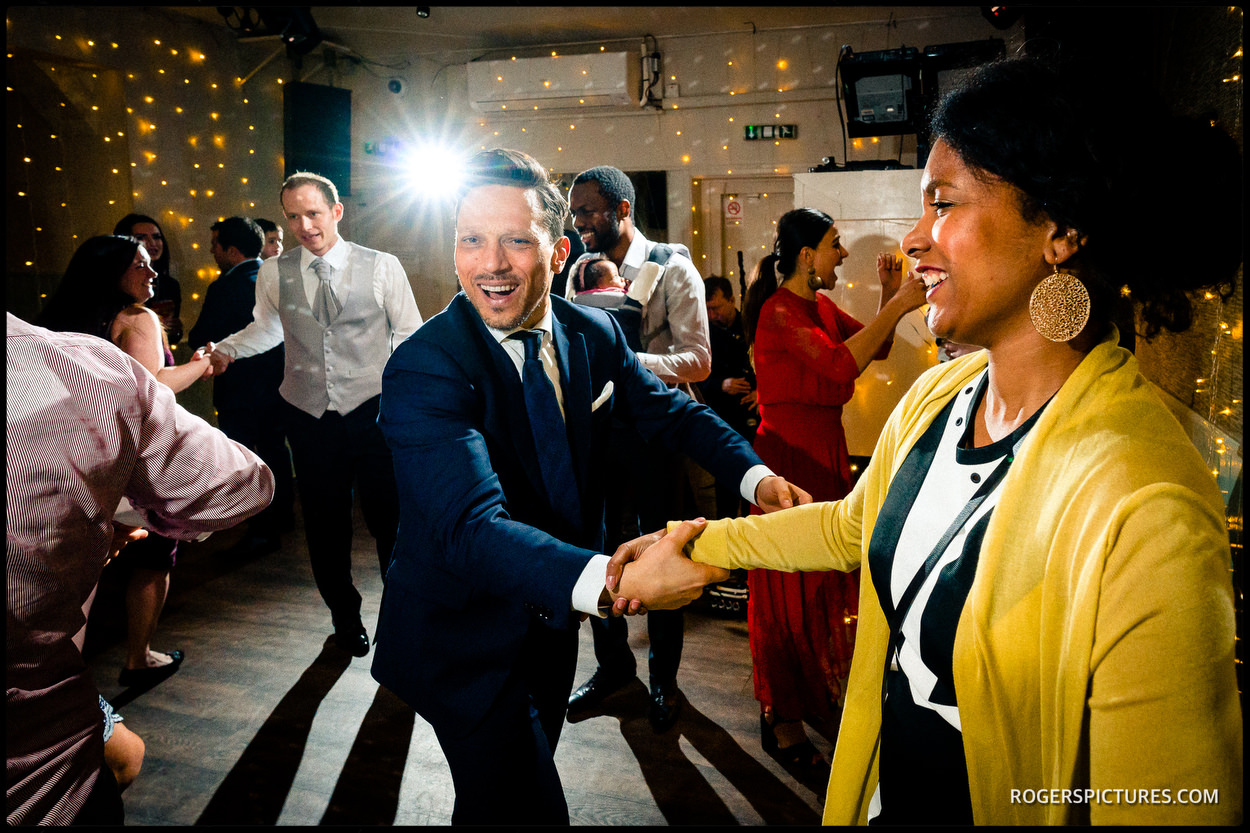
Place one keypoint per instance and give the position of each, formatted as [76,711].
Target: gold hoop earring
[1059,306]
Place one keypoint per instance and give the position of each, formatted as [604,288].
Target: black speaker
[317,132]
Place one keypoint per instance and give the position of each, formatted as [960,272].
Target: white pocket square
[601,398]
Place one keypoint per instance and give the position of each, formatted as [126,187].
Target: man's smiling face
[505,256]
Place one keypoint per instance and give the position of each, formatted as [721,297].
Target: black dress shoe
[593,692]
[352,639]
[665,706]
[145,677]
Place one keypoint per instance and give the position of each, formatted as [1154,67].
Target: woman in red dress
[808,354]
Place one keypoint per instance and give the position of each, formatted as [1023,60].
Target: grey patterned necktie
[326,306]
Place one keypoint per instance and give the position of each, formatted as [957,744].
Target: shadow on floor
[255,790]
[368,790]
[681,791]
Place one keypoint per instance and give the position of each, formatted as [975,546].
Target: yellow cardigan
[1095,649]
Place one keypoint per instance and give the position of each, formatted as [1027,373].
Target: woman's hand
[123,535]
[659,576]
[910,295]
[890,271]
[201,359]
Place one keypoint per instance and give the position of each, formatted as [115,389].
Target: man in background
[273,238]
[674,338]
[249,409]
[729,389]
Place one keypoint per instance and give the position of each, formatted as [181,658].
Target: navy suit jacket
[481,555]
[252,382]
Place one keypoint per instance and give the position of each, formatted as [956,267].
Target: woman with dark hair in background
[105,286]
[808,354]
[167,295]
[1046,623]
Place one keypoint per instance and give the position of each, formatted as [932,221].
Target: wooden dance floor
[267,723]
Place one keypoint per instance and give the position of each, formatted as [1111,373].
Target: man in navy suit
[249,408]
[496,564]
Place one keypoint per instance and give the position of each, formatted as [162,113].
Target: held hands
[202,359]
[219,359]
[775,493]
[659,575]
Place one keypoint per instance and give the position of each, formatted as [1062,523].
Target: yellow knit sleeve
[818,536]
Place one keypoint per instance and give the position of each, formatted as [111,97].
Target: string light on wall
[184,65]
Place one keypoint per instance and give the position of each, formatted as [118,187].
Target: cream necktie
[326,306]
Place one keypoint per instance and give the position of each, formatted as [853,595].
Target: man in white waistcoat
[341,309]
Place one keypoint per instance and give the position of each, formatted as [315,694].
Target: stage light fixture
[423,11]
[434,170]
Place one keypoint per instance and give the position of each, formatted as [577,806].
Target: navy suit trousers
[503,768]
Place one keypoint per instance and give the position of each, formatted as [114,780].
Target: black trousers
[649,492]
[263,430]
[503,768]
[333,454]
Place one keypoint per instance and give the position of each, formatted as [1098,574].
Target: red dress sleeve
[841,325]
[804,360]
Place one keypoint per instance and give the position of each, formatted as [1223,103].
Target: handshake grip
[220,360]
[654,573]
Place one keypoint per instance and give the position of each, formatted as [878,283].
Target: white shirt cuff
[751,481]
[589,594]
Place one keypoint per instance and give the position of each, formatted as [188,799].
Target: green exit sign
[754,132]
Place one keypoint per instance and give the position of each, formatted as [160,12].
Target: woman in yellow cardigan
[1046,620]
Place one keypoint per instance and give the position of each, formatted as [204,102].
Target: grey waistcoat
[336,367]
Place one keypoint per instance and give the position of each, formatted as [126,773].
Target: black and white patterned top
[923,774]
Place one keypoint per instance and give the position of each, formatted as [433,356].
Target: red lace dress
[802,625]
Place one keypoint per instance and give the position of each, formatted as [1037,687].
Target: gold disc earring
[814,281]
[1059,306]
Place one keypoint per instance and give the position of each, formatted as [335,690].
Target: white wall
[726,81]
[873,210]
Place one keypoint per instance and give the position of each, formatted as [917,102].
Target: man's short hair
[266,226]
[612,182]
[714,283]
[301,178]
[501,166]
[241,232]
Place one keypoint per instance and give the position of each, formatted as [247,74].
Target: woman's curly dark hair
[1073,150]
